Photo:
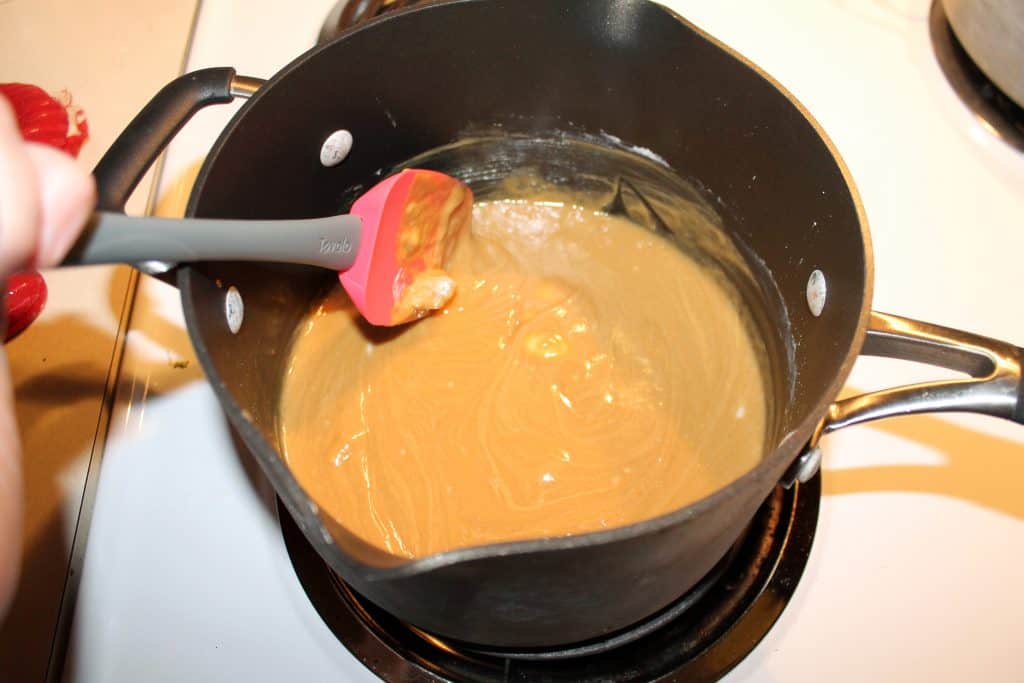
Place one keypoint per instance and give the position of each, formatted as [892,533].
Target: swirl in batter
[586,375]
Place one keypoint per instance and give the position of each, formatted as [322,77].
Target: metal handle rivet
[234,309]
[335,148]
[817,291]
[803,468]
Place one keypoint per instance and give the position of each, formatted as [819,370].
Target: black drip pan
[701,637]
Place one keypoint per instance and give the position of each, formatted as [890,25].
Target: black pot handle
[135,150]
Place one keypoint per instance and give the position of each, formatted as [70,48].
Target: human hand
[45,198]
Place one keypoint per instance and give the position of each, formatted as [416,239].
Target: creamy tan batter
[436,213]
[586,375]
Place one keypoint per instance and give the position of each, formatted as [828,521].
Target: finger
[19,196]
[67,196]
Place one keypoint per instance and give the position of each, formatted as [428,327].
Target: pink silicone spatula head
[411,222]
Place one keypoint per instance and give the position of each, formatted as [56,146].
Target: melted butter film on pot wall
[586,375]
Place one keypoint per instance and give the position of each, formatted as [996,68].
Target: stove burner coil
[349,13]
[993,108]
[701,637]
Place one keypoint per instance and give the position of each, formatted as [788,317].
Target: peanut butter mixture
[436,213]
[587,374]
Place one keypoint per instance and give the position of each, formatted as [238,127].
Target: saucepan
[626,75]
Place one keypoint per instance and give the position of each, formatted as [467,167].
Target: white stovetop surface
[913,575]
[62,364]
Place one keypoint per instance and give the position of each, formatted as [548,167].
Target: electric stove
[192,572]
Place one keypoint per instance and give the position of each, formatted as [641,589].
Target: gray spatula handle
[115,238]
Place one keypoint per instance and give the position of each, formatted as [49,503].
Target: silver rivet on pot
[816,293]
[234,309]
[155,267]
[335,148]
[803,468]
[808,464]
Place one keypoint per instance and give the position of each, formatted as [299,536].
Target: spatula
[389,251]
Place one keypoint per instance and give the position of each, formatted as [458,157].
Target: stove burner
[349,13]
[995,110]
[699,638]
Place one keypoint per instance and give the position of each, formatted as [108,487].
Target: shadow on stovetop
[61,426]
[978,467]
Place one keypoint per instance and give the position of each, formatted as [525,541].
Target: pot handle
[993,388]
[138,146]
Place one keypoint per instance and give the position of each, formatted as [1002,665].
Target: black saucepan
[599,70]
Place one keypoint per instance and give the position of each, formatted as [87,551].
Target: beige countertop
[112,55]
